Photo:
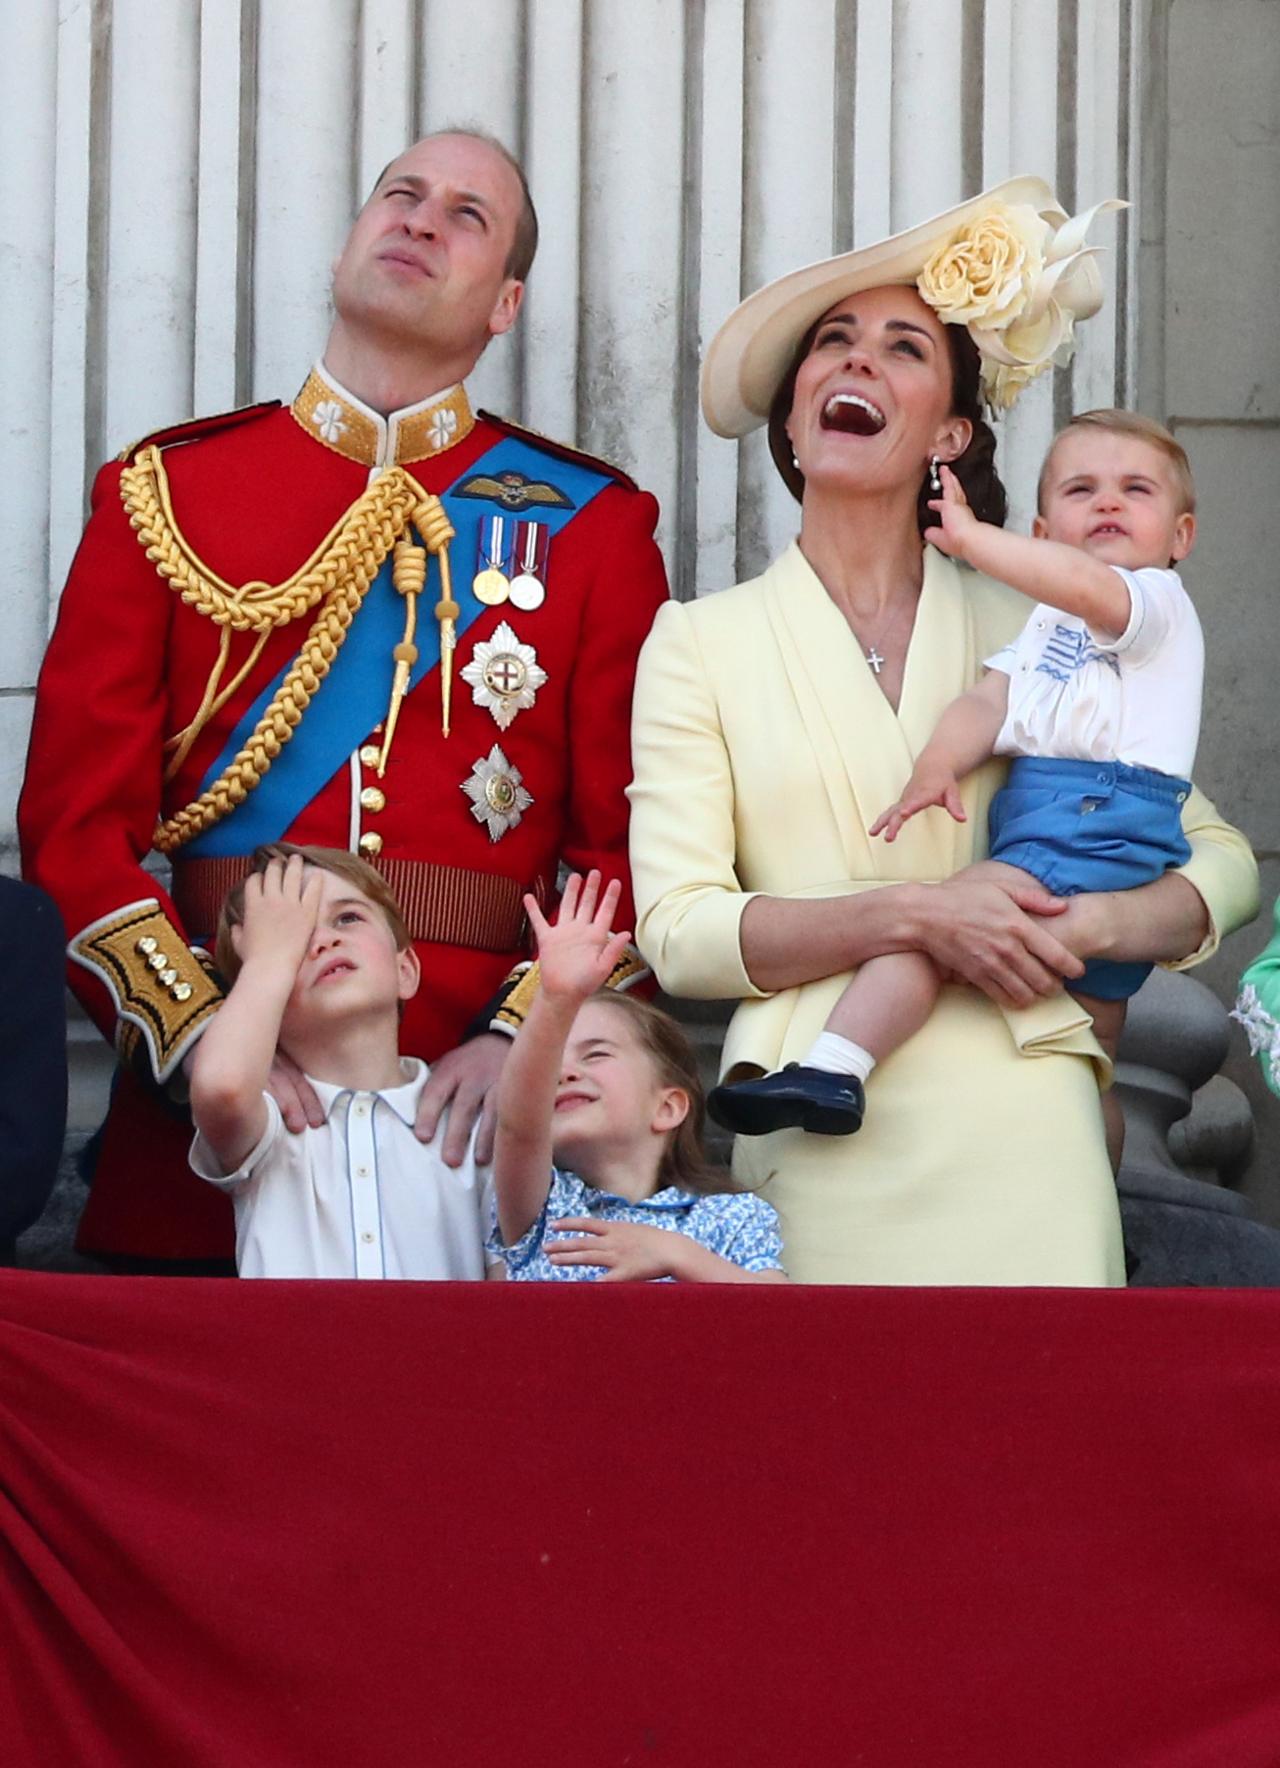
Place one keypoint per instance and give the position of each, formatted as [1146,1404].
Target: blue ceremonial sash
[353,697]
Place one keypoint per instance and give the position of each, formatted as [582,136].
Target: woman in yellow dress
[774,721]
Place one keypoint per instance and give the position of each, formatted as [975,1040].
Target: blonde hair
[683,1161]
[1146,429]
[349,866]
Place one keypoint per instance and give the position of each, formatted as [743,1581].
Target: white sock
[839,1055]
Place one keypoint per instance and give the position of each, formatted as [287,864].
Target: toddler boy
[320,961]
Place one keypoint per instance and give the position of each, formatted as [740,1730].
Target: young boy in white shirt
[1099,701]
[320,960]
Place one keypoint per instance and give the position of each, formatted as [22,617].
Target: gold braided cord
[432,521]
[336,579]
[375,518]
[215,698]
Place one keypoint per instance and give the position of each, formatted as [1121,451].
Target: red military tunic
[127,668]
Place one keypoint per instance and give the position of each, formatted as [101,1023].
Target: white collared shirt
[1081,695]
[359,1197]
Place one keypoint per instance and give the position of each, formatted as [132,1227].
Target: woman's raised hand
[956,521]
[577,954]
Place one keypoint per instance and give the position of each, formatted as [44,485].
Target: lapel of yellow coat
[865,751]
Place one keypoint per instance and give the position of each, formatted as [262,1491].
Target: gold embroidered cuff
[629,969]
[510,1016]
[516,1002]
[157,983]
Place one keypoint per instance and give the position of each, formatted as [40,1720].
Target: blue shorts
[1091,825]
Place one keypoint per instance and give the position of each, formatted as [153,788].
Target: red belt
[441,905]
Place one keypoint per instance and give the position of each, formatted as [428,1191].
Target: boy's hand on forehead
[281,907]
[578,953]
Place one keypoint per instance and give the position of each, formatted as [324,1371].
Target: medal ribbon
[532,546]
[493,545]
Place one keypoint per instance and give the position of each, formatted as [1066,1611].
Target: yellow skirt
[976,1164]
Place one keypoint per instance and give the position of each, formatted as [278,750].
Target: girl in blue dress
[598,1162]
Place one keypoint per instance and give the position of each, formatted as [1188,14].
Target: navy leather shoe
[796,1098]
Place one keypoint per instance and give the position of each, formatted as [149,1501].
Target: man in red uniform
[372,619]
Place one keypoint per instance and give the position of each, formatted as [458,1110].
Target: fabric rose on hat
[984,274]
[1003,381]
[1019,280]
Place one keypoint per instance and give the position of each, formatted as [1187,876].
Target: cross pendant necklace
[875,659]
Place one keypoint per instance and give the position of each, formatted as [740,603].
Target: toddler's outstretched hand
[576,955]
[956,521]
[923,790]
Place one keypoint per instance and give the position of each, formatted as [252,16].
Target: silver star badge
[504,675]
[498,798]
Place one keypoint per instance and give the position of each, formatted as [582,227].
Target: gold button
[372,799]
[371,755]
[168,978]
[182,992]
[158,961]
[371,844]
[146,945]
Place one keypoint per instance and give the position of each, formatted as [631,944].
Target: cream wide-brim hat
[750,354]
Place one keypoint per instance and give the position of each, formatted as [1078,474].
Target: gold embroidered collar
[338,420]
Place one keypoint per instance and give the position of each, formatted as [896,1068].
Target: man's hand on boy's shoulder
[465,1080]
[298,1100]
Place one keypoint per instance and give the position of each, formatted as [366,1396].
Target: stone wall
[1209,362]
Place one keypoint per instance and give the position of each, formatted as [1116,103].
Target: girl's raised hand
[577,954]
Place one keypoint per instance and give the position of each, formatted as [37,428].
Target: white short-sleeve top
[1078,695]
[360,1196]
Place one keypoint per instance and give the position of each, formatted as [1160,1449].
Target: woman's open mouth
[852,414]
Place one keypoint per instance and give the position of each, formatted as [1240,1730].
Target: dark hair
[683,1160]
[524,243]
[975,468]
[357,872]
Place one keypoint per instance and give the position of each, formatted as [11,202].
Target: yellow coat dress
[763,750]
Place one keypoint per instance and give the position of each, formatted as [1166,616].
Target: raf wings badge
[514,491]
